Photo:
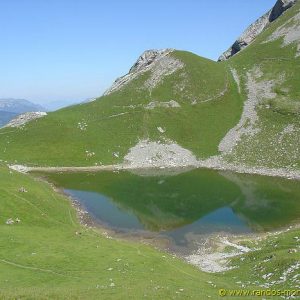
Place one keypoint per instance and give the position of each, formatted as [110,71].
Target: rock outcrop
[25,118]
[290,32]
[167,104]
[160,62]
[148,57]
[153,154]
[257,27]
[258,90]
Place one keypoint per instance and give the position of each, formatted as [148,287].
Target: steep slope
[46,253]
[268,133]
[175,108]
[250,34]
[176,96]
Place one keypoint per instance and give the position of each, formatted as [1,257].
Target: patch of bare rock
[156,154]
[159,62]
[257,91]
[290,32]
[257,27]
[25,118]
[216,260]
[167,104]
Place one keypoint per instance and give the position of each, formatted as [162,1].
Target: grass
[115,123]
[42,257]
[275,255]
[285,106]
[269,148]
[196,127]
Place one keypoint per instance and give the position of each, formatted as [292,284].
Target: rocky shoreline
[214,253]
[214,163]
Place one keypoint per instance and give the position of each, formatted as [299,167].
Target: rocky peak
[280,7]
[144,63]
[147,58]
[257,27]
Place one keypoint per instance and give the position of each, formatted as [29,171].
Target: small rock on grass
[9,221]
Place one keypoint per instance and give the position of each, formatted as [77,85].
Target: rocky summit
[147,61]
[257,27]
[140,163]
[174,108]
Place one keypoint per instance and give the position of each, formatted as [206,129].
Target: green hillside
[49,255]
[209,99]
[277,144]
[245,111]
[58,140]
[44,258]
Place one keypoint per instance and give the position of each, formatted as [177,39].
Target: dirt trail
[34,268]
[214,163]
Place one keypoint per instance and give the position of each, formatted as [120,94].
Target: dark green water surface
[186,206]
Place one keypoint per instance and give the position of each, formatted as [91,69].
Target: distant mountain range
[10,108]
[19,106]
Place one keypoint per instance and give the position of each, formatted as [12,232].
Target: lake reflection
[187,205]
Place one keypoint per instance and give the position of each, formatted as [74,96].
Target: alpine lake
[182,208]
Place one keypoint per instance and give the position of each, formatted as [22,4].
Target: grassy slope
[42,258]
[52,261]
[267,148]
[57,140]
[276,255]
[48,224]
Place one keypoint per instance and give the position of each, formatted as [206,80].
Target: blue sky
[69,50]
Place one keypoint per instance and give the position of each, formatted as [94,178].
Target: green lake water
[184,207]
